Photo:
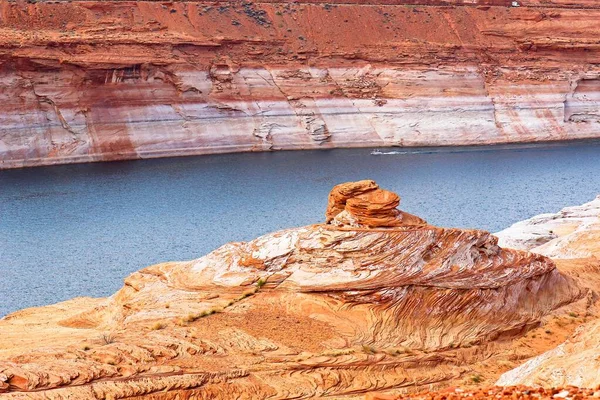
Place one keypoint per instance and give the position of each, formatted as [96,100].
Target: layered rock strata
[364,204]
[573,232]
[576,362]
[104,80]
[571,236]
[497,392]
[338,309]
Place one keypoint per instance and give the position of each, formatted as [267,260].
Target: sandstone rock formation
[364,204]
[575,362]
[496,392]
[574,232]
[335,309]
[104,80]
[571,236]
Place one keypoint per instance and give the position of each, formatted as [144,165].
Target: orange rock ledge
[362,303]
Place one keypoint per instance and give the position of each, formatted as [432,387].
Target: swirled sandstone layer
[104,80]
[571,233]
[330,309]
[571,236]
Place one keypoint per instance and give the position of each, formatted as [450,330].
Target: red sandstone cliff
[102,80]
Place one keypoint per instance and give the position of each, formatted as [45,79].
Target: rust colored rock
[375,208]
[571,237]
[340,194]
[297,313]
[364,204]
[496,392]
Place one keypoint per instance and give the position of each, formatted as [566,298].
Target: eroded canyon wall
[105,80]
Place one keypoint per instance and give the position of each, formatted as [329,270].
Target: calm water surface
[78,230]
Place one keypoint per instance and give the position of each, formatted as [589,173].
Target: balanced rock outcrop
[374,299]
[364,204]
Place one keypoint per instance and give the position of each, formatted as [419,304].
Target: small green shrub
[338,352]
[369,349]
[247,293]
[190,318]
[158,326]
[108,338]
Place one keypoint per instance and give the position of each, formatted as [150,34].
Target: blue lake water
[78,230]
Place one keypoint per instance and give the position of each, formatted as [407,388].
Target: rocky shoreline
[374,300]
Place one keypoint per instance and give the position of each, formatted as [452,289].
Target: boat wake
[493,147]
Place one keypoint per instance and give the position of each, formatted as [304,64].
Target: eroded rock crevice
[583,104]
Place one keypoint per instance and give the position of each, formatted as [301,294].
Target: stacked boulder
[364,204]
